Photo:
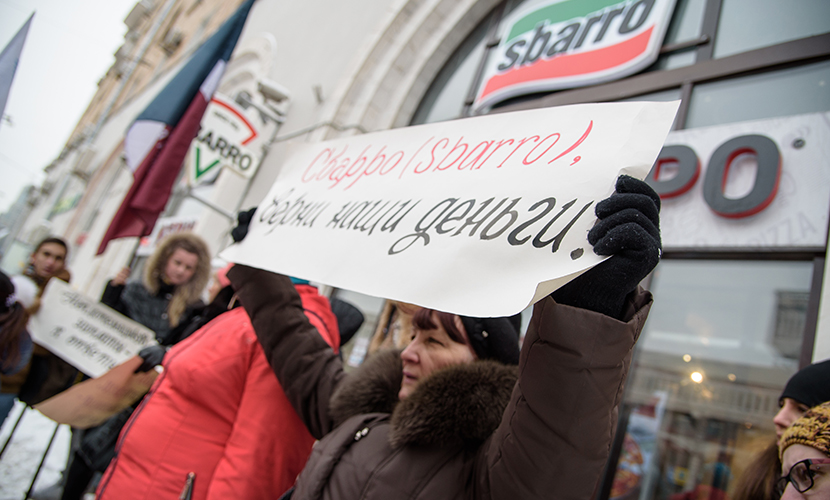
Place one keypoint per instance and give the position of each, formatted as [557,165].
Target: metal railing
[25,414]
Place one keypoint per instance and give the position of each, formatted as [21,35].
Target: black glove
[243,220]
[629,230]
[152,356]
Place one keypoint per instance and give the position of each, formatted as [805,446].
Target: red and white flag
[157,141]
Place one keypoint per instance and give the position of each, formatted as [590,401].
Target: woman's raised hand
[121,278]
[629,231]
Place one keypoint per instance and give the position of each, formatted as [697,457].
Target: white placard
[480,216]
[85,333]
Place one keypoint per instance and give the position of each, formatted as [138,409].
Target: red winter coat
[218,411]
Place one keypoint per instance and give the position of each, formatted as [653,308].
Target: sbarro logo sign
[550,45]
[223,140]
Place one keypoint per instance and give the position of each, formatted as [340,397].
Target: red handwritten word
[335,167]
[175,227]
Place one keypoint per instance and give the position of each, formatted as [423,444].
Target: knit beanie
[809,386]
[494,338]
[7,296]
[813,430]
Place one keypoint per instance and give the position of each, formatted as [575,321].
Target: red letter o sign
[688,167]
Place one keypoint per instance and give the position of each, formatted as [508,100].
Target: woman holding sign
[451,416]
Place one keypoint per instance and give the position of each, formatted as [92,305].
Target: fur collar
[459,405]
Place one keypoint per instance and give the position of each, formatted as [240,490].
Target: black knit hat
[494,338]
[810,386]
[7,296]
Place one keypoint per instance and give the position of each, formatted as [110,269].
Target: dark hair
[757,482]
[423,320]
[55,240]
[13,324]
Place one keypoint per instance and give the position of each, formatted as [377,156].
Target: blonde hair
[187,293]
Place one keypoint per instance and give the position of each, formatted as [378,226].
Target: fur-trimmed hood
[461,404]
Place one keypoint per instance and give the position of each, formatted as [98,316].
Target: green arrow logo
[199,170]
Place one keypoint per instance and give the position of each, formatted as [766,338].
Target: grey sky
[69,48]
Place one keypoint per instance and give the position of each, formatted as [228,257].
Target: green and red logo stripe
[572,64]
[557,12]
[572,43]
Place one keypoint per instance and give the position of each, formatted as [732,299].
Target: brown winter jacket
[468,432]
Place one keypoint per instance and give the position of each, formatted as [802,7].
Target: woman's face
[791,410]
[821,473]
[180,267]
[428,351]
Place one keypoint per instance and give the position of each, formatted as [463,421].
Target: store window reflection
[752,24]
[804,89]
[685,26]
[721,341]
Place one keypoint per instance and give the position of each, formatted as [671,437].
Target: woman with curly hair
[174,278]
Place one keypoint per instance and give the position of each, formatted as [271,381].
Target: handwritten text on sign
[87,334]
[480,216]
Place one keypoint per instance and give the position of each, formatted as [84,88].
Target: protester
[174,278]
[48,258]
[15,343]
[805,456]
[450,416]
[45,374]
[167,300]
[809,387]
[216,423]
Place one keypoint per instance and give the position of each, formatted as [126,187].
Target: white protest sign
[85,333]
[165,226]
[480,216]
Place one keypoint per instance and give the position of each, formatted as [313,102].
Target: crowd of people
[446,406]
